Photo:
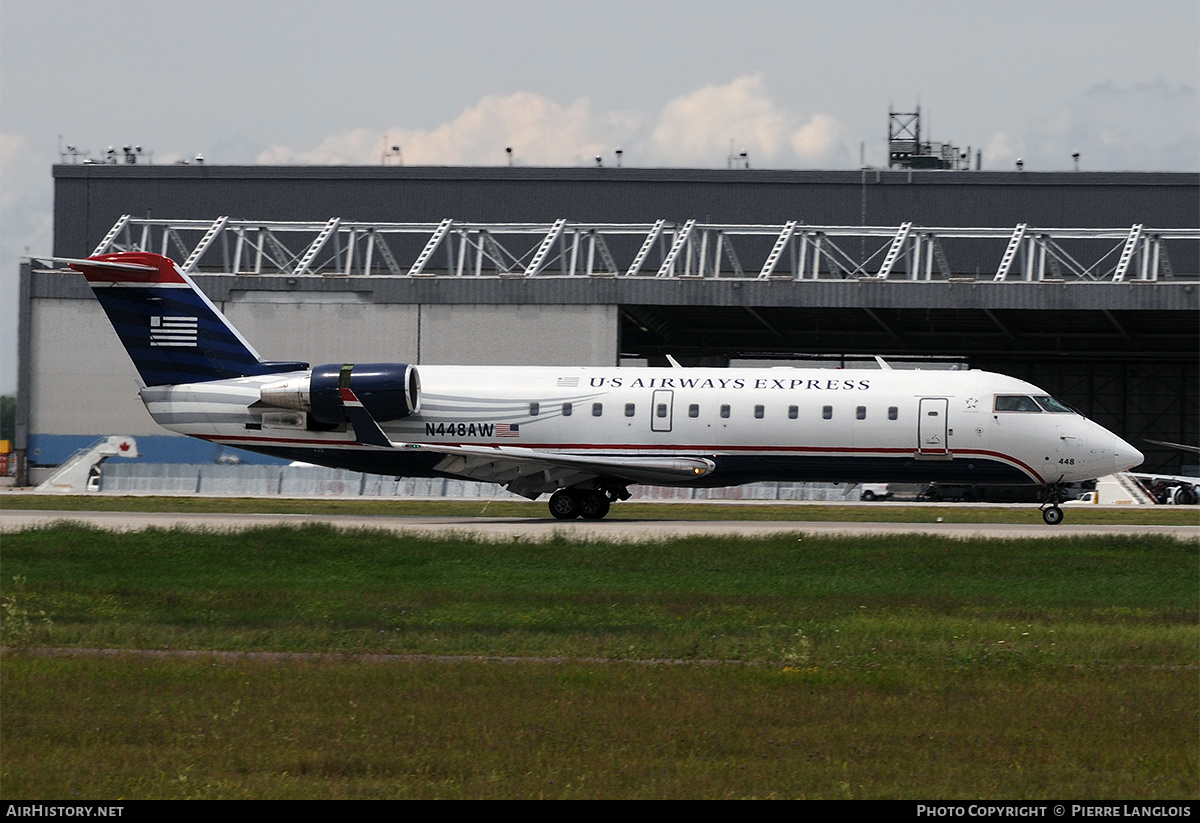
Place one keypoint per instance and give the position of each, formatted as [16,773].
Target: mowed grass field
[311,662]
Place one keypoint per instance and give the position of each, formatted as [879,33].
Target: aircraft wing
[529,472]
[1182,446]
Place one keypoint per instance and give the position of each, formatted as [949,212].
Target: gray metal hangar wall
[1127,354]
[88,199]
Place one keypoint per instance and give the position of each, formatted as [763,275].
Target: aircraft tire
[564,505]
[1052,515]
[593,505]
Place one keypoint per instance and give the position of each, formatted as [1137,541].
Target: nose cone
[1125,456]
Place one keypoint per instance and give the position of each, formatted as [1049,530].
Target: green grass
[317,588]
[800,512]
[211,728]
[903,666]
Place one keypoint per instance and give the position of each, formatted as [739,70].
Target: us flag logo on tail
[508,430]
[173,331]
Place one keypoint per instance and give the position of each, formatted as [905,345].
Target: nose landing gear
[1052,515]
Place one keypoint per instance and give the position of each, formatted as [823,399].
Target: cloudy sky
[795,84]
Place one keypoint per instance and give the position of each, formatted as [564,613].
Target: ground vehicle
[869,492]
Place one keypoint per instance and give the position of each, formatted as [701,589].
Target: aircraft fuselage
[780,424]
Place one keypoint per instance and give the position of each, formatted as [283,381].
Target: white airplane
[585,434]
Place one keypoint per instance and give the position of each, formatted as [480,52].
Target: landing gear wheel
[564,505]
[1053,515]
[593,505]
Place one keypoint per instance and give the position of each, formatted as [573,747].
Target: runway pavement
[514,528]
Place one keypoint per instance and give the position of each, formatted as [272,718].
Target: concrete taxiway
[499,529]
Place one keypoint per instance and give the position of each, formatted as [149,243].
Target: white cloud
[352,148]
[1117,132]
[540,132]
[694,129]
[817,139]
[703,127]
[1001,151]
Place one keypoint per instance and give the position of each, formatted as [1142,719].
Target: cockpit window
[1051,405]
[1016,403]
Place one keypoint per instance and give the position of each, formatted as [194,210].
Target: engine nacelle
[389,391]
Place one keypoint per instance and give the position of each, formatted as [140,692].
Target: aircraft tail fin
[171,330]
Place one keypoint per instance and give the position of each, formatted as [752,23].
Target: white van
[875,491]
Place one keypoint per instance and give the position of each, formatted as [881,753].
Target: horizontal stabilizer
[115,265]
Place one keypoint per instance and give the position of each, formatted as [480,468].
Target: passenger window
[893,413]
[630,409]
[793,412]
[725,411]
[694,410]
[661,410]
[566,409]
[597,409]
[827,412]
[1016,403]
[534,408]
[758,412]
[861,412]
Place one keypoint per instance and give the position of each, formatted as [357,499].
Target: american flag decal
[567,382]
[507,430]
[173,331]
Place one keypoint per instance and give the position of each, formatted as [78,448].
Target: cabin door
[661,410]
[932,427]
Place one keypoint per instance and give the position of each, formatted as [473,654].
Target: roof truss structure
[664,249]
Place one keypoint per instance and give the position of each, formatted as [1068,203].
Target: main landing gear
[590,504]
[1051,513]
